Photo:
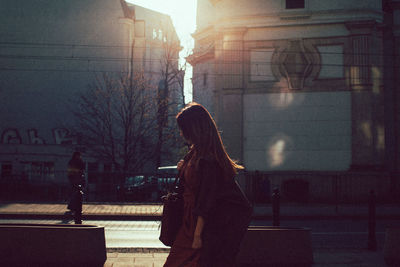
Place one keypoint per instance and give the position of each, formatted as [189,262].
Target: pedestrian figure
[76,177]
[216,212]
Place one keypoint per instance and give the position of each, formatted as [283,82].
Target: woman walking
[216,212]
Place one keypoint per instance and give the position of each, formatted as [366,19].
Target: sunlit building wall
[49,52]
[299,85]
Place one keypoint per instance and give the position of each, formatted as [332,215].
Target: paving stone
[126,260]
[160,255]
[159,262]
[127,255]
[144,255]
[143,260]
[122,264]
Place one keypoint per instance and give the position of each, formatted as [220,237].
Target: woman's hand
[169,196]
[197,242]
[179,165]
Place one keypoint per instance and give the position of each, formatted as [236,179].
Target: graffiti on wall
[34,138]
[61,136]
[11,136]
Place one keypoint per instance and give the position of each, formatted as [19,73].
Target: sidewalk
[129,211]
[322,258]
[154,257]
[93,211]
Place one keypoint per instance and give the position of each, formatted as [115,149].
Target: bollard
[372,221]
[275,207]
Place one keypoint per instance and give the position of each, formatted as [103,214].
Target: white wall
[297,131]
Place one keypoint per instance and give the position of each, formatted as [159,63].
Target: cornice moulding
[236,30]
[200,34]
[361,25]
[199,57]
[309,16]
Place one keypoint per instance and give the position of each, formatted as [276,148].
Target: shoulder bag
[171,219]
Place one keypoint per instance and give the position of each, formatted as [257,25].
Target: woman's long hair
[199,128]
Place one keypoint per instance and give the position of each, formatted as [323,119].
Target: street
[325,233]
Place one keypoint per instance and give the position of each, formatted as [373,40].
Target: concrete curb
[150,217]
[46,216]
[152,212]
[137,250]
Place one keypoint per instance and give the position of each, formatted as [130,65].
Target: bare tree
[116,120]
[170,95]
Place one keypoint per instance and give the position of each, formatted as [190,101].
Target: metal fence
[304,187]
[321,187]
[99,187]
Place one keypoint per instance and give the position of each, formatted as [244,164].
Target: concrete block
[276,246]
[52,244]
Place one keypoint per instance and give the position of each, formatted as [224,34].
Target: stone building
[49,52]
[305,92]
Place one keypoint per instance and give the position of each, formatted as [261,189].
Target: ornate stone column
[364,72]
[230,89]
[392,93]
[396,81]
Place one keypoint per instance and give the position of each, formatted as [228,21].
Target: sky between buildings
[183,15]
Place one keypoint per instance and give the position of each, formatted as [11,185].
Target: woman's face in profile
[183,136]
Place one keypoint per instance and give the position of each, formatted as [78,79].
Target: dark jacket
[216,193]
[75,171]
[226,212]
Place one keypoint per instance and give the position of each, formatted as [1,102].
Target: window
[107,167]
[293,4]
[107,173]
[331,62]
[38,171]
[205,79]
[6,169]
[160,34]
[260,65]
[93,172]
[140,29]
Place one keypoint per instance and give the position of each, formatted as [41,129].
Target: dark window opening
[38,171]
[205,76]
[92,172]
[107,175]
[293,4]
[6,170]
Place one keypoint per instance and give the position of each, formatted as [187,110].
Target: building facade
[304,90]
[50,52]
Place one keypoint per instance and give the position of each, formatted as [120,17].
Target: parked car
[147,187]
[166,179]
[135,188]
